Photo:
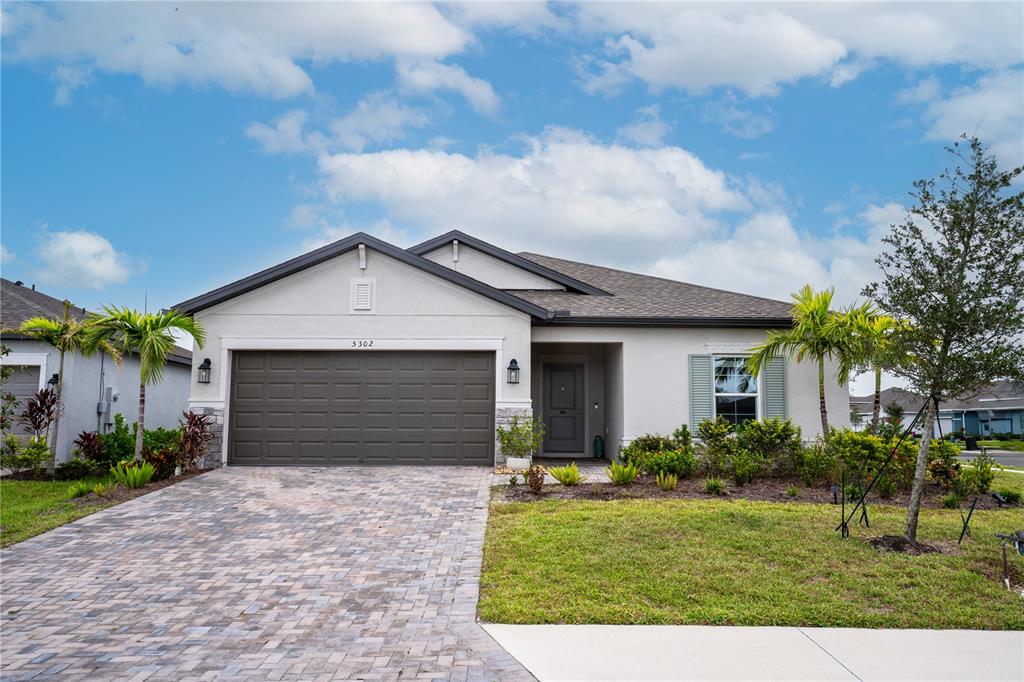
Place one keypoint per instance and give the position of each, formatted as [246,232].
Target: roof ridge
[527,254]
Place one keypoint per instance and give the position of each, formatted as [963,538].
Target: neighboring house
[998,408]
[363,352]
[908,401]
[94,388]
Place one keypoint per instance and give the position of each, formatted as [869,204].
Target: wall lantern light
[203,372]
[513,372]
[53,380]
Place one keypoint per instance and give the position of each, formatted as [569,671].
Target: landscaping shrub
[40,411]
[943,465]
[682,437]
[159,439]
[745,465]
[792,491]
[681,463]
[74,468]
[622,474]
[10,454]
[164,462]
[535,478]
[119,443]
[79,489]
[640,450]
[92,446]
[985,468]
[1010,495]
[717,445]
[104,488]
[904,462]
[196,434]
[818,465]
[951,500]
[885,487]
[667,481]
[860,452]
[35,455]
[521,438]
[777,441]
[513,479]
[567,475]
[132,476]
[714,486]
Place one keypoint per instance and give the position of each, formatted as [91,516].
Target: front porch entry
[577,389]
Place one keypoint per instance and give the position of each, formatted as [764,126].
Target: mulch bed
[768,490]
[119,494]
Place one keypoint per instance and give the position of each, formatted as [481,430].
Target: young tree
[67,335]
[954,270]
[818,333]
[872,334]
[147,336]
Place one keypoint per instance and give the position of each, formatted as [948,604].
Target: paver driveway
[345,573]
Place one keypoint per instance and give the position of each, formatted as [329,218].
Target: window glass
[735,390]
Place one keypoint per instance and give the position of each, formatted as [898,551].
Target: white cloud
[756,48]
[921,92]
[6,255]
[565,188]
[80,259]
[286,136]
[382,229]
[525,17]
[68,79]
[427,76]
[252,47]
[736,121]
[993,109]
[376,119]
[647,128]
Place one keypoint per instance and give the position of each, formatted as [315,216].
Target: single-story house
[998,408]
[94,388]
[365,352]
[908,401]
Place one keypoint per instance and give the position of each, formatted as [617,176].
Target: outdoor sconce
[513,372]
[54,379]
[203,372]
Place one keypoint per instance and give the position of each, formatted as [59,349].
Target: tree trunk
[821,398]
[914,506]
[876,408]
[142,422]
[51,467]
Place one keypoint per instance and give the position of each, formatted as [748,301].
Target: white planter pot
[518,462]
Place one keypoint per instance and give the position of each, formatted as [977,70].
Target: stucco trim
[507,257]
[307,260]
[28,360]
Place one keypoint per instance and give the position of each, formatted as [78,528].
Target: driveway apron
[283,573]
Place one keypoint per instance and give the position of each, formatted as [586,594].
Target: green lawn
[29,508]
[1015,445]
[741,563]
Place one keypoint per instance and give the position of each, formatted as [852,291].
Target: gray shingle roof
[999,395]
[641,297]
[19,303]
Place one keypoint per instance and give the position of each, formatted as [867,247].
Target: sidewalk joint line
[829,654]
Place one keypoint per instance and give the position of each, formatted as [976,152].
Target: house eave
[628,321]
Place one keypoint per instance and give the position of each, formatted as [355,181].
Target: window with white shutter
[362,294]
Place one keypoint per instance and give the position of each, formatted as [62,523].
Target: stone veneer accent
[214,452]
[503,417]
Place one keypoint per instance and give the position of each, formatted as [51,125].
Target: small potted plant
[519,440]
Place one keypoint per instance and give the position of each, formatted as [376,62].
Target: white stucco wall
[485,268]
[655,375]
[413,310]
[165,401]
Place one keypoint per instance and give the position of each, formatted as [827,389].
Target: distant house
[996,409]
[94,389]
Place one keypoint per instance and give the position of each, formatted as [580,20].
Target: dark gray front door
[563,407]
[327,408]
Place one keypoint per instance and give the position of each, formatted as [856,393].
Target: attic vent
[362,294]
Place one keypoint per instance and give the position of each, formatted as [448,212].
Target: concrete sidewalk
[693,652]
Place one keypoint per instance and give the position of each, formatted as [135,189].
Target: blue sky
[165,149]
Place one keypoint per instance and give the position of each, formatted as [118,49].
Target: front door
[563,408]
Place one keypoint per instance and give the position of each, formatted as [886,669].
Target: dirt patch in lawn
[120,494]
[765,490]
[898,543]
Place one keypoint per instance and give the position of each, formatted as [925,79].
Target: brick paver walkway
[346,573]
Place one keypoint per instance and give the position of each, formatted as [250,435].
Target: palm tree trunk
[142,421]
[877,406]
[914,506]
[51,466]
[821,397]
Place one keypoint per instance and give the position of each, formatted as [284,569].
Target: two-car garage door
[324,408]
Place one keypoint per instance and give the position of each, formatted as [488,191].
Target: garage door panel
[330,408]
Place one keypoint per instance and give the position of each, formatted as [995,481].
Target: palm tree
[818,333]
[67,335]
[147,335]
[874,349]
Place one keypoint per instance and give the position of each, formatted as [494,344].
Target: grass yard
[1014,445]
[29,508]
[739,563]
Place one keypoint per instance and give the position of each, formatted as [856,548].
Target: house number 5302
[362,343]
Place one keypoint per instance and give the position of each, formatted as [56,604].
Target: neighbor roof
[19,303]
[643,299]
[998,395]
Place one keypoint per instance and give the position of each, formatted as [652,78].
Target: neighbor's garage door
[323,408]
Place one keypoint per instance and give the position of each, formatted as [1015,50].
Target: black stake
[966,530]
[844,526]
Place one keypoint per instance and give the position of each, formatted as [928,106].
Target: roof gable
[325,253]
[19,303]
